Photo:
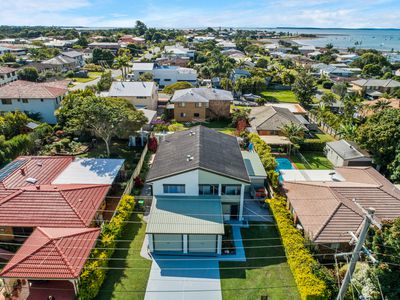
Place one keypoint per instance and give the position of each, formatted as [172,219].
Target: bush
[181,85]
[18,145]
[300,260]
[327,84]
[94,271]
[263,151]
[93,68]
[314,145]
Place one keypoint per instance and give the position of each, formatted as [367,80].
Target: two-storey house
[198,182]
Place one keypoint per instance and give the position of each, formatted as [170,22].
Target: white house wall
[189,179]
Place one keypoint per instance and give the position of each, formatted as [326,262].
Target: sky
[201,13]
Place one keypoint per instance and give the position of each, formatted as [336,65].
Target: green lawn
[128,283]
[92,76]
[316,161]
[279,96]
[259,277]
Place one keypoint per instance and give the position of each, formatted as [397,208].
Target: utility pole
[368,220]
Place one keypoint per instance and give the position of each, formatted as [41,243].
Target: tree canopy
[304,88]
[104,117]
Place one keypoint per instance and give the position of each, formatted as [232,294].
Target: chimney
[37,187]
[23,173]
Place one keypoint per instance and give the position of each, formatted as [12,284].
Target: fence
[136,172]
[323,126]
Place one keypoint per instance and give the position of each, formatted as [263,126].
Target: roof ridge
[73,208]
[11,196]
[327,220]
[70,267]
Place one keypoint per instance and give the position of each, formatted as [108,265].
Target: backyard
[286,96]
[313,160]
[129,278]
[91,76]
[265,273]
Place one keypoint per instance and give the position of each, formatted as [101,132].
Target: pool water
[283,164]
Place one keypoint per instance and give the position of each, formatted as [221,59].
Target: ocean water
[380,39]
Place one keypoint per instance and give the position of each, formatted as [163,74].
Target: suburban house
[331,71]
[7,75]
[239,73]
[374,88]
[200,104]
[178,51]
[35,98]
[164,75]
[269,120]
[326,204]
[368,110]
[226,45]
[62,63]
[139,138]
[130,39]
[75,55]
[105,45]
[54,205]
[198,181]
[140,94]
[347,153]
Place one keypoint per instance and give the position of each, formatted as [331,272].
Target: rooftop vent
[31,180]
[189,157]
[39,164]
[23,173]
[191,133]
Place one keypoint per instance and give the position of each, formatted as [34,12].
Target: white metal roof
[90,171]
[311,175]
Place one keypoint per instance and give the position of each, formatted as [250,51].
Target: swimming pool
[283,164]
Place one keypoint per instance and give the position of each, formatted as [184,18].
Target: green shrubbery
[95,269]
[313,145]
[263,151]
[309,276]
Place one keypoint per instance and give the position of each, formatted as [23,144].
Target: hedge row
[300,260]
[263,151]
[95,269]
[312,145]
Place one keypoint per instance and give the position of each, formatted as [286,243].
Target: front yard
[314,161]
[92,76]
[279,96]
[129,279]
[265,273]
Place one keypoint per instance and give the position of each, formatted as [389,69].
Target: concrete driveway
[184,278]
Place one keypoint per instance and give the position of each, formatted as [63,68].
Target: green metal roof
[253,164]
[186,215]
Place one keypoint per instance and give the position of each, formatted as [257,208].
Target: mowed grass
[315,161]
[265,273]
[279,96]
[129,278]
[92,76]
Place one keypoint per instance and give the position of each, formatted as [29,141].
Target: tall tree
[104,117]
[304,88]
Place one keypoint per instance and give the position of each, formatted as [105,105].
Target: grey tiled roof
[211,151]
[271,118]
[390,83]
[131,89]
[201,95]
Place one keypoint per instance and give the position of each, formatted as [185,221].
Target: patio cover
[186,215]
[52,253]
[275,140]
[253,164]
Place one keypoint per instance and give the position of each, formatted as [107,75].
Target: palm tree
[294,132]
[379,105]
[347,131]
[122,62]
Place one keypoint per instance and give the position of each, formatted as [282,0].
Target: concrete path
[184,278]
[253,212]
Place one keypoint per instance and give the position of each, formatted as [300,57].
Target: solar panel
[11,167]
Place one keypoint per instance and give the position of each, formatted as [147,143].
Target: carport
[185,225]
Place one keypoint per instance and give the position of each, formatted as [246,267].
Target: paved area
[254,212]
[184,278]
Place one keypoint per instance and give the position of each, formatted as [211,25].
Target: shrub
[94,271]
[263,151]
[316,145]
[300,260]
[170,89]
[327,84]
[93,68]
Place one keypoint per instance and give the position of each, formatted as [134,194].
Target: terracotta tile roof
[7,70]
[52,253]
[21,89]
[326,209]
[42,168]
[52,205]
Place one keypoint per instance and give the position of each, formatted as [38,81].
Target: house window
[182,104]
[174,188]
[208,189]
[41,100]
[231,189]
[25,101]
[141,97]
[197,104]
[196,115]
[6,101]
[167,79]
[183,115]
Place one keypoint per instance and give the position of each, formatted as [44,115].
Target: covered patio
[278,142]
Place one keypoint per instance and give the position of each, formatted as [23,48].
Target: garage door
[168,242]
[202,243]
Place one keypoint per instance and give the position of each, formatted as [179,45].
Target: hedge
[300,260]
[95,269]
[263,151]
[312,145]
